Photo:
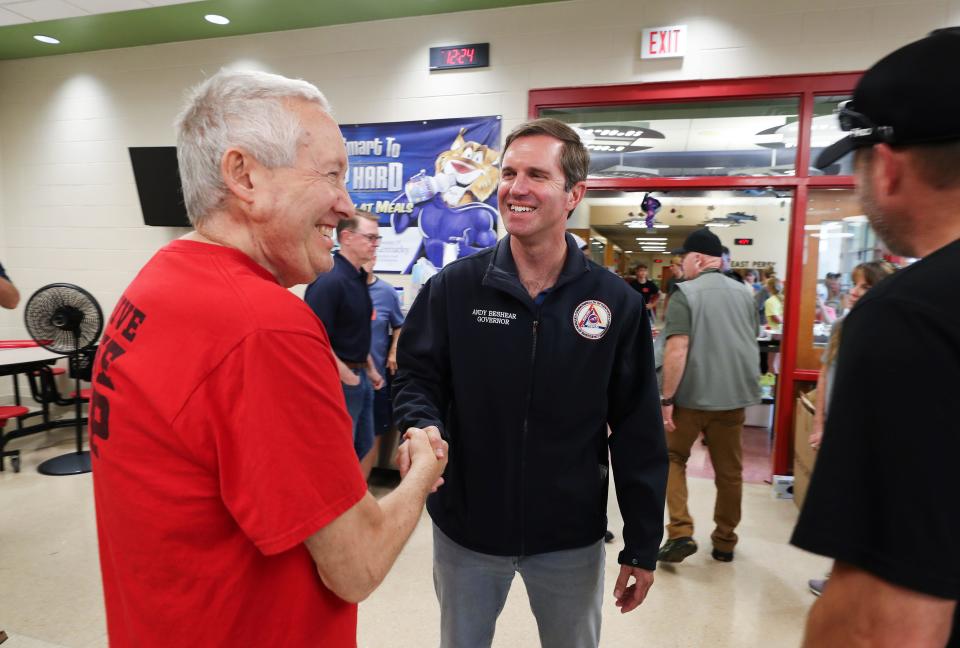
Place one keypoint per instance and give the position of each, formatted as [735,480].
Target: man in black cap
[883,500]
[710,374]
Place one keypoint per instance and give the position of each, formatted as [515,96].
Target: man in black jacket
[521,356]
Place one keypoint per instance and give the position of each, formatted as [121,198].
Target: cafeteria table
[24,357]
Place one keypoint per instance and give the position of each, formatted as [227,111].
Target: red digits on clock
[460,55]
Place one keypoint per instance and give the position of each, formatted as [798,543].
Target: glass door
[753,224]
[753,137]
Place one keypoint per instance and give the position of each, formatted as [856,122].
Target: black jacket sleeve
[421,386]
[638,446]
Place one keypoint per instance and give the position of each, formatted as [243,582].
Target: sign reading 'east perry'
[664,42]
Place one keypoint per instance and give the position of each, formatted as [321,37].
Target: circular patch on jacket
[591,319]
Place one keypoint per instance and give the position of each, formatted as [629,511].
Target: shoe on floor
[677,549]
[816,585]
[608,536]
[722,556]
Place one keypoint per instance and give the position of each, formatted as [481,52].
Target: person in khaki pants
[710,374]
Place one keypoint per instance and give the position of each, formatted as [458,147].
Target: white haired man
[710,375]
[230,505]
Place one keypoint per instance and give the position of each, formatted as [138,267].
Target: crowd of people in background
[516,398]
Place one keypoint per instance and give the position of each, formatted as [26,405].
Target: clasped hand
[423,445]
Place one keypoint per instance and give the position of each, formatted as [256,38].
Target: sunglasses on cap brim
[860,126]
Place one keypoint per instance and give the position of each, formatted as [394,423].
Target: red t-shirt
[220,442]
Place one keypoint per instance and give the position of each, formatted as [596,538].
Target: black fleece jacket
[523,393]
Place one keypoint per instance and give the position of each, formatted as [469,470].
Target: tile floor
[50,593]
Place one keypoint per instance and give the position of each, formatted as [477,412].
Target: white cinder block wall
[68,204]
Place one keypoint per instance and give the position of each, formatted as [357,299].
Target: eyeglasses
[373,238]
[860,126]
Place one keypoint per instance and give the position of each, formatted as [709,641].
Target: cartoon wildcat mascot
[449,205]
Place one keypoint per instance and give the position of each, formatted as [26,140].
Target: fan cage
[63,318]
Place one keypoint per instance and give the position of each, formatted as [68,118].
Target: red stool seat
[84,394]
[11,411]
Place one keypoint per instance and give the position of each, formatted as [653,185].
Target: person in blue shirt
[384,334]
[341,301]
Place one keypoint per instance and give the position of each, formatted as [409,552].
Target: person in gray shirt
[711,367]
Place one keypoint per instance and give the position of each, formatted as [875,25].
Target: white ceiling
[18,12]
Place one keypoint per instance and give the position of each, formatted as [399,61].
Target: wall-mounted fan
[66,319]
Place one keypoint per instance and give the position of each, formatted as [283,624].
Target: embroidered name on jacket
[493,317]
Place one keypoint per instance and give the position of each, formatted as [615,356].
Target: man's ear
[577,193]
[887,169]
[236,169]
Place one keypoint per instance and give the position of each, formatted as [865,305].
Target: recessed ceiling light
[833,235]
[46,39]
[216,19]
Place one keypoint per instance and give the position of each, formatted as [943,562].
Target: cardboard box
[803,455]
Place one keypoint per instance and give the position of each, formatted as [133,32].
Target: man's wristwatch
[666,402]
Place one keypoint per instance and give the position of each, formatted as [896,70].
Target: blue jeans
[565,590]
[360,407]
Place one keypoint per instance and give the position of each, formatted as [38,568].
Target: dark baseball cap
[911,96]
[703,241]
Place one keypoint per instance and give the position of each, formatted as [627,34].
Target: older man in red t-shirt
[230,505]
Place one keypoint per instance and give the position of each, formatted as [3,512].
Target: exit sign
[664,42]
[743,241]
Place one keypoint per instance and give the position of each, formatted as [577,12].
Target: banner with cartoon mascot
[433,184]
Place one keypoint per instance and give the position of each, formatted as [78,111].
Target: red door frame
[804,88]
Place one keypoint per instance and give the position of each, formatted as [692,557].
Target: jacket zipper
[523,443]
